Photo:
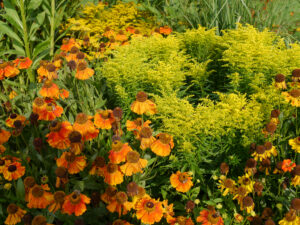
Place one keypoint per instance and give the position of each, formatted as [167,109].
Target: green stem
[52,28]
[26,42]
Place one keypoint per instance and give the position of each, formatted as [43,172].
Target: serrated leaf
[20,189]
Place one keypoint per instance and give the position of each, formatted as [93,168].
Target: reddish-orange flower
[63,93]
[181,181]
[68,43]
[121,37]
[181,220]
[119,152]
[146,138]
[13,118]
[120,204]
[7,69]
[121,222]
[2,149]
[73,163]
[73,53]
[112,174]
[287,165]
[83,72]
[98,166]
[4,136]
[104,119]
[38,105]
[39,197]
[210,217]
[166,30]
[136,126]
[61,177]
[13,171]
[134,164]
[149,210]
[15,214]
[23,62]
[57,201]
[51,112]
[59,135]
[49,90]
[143,105]
[163,144]
[85,126]
[76,203]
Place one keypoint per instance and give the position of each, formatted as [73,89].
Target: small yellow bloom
[12,94]
[7,186]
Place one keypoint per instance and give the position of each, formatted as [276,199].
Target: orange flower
[130,30]
[98,166]
[108,32]
[29,182]
[80,57]
[61,177]
[83,72]
[73,53]
[23,62]
[76,141]
[146,138]
[181,181]
[112,174]
[39,197]
[13,118]
[12,94]
[4,136]
[109,195]
[38,105]
[143,104]
[57,202]
[120,204]
[136,126]
[2,149]
[51,72]
[149,210]
[59,135]
[181,220]
[13,171]
[165,30]
[168,211]
[163,145]
[2,66]
[42,70]
[40,220]
[76,203]
[287,165]
[15,214]
[73,163]
[51,112]
[293,96]
[85,126]
[104,119]
[67,44]
[119,152]
[121,36]
[121,222]
[210,217]
[134,164]
[63,93]
[8,70]
[49,90]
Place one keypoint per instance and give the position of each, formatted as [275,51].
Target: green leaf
[41,18]
[40,47]
[34,4]
[12,16]
[5,29]
[20,189]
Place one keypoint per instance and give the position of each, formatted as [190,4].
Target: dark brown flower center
[51,68]
[80,55]
[105,114]
[275,113]
[100,161]
[55,126]
[74,50]
[81,118]
[39,220]
[183,178]
[65,41]
[228,183]
[251,163]
[2,162]
[296,73]
[39,101]
[224,168]
[111,191]
[59,196]
[111,168]
[271,127]
[266,163]
[70,157]
[268,145]
[241,191]
[165,138]
[132,189]
[149,206]
[118,112]
[279,78]
[75,137]
[269,222]
[291,215]
[121,197]
[82,66]
[247,201]
[295,93]
[75,197]
[72,65]
[48,84]
[213,218]
[246,181]
[258,187]
[61,172]
[18,124]
[133,157]
[146,132]
[29,182]
[141,96]
[12,208]
[260,149]
[12,168]
[13,116]
[37,191]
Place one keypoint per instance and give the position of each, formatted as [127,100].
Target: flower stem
[52,28]
[26,42]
